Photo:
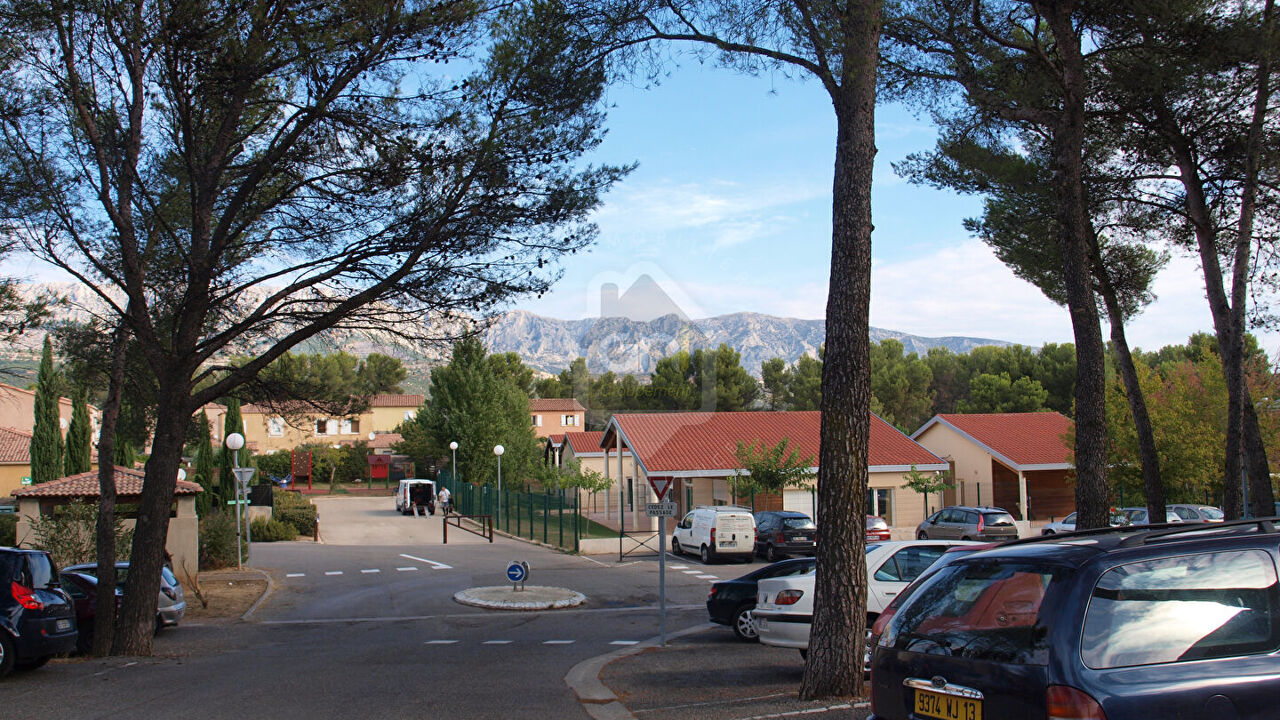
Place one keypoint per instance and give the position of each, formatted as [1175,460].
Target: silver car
[1197,513]
[171,604]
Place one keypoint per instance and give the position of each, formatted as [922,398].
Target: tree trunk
[138,615]
[837,642]
[1074,240]
[105,619]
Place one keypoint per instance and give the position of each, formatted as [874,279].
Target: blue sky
[730,210]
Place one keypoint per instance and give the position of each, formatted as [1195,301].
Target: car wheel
[1046,532]
[920,535]
[705,555]
[84,641]
[965,537]
[675,547]
[6,653]
[32,664]
[744,625]
[771,553]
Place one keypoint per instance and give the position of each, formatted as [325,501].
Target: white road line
[371,570]
[332,572]
[708,577]
[558,642]
[434,565]
[406,569]
[496,642]
[692,572]
[296,575]
[440,642]
[625,642]
[678,567]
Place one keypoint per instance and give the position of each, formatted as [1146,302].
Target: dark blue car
[1126,623]
[37,620]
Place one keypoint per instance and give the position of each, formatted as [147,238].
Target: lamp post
[453,466]
[234,442]
[498,450]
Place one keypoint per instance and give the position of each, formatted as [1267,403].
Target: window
[350,426]
[322,426]
[536,420]
[1183,608]
[907,564]
[880,502]
[409,414]
[568,420]
[631,495]
[275,426]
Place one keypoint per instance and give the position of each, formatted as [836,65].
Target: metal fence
[547,517]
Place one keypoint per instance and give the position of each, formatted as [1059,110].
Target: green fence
[548,517]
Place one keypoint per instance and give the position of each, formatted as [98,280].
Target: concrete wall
[183,542]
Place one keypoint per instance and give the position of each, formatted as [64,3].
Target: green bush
[70,534]
[8,529]
[218,541]
[303,519]
[272,530]
[288,499]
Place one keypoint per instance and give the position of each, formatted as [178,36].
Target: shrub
[289,499]
[272,530]
[302,519]
[218,541]
[8,529]
[70,534]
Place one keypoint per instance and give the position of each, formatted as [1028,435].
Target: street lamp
[234,442]
[453,467]
[498,450]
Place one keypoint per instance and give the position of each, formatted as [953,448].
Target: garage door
[804,501]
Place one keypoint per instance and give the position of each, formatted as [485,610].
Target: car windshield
[979,610]
[999,519]
[1211,513]
[798,523]
[41,569]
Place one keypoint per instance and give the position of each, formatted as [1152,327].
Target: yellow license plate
[947,707]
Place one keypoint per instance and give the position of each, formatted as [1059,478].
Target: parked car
[1196,513]
[716,531]
[1138,515]
[82,588]
[1068,523]
[171,604]
[877,529]
[730,602]
[989,524]
[784,532]
[37,619]
[1117,623]
[784,606]
[417,496]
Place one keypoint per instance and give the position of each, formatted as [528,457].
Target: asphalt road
[364,625]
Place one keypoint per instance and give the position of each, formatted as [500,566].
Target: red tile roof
[401,401]
[409,401]
[15,446]
[85,485]
[1023,438]
[384,440]
[555,440]
[706,441]
[555,405]
[584,442]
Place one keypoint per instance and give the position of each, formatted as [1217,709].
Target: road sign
[245,501]
[26,479]
[517,571]
[661,486]
[244,475]
[660,509]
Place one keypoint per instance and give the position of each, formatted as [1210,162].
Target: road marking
[406,569]
[810,711]
[371,570]
[625,642]
[678,567]
[692,572]
[332,572]
[440,642]
[708,577]
[557,642]
[497,642]
[434,565]
[296,575]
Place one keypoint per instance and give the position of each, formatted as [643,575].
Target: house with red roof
[267,430]
[556,416]
[584,449]
[1018,461]
[696,450]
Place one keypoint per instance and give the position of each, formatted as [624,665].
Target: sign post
[661,510]
[517,573]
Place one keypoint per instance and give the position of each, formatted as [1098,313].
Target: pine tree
[204,466]
[79,440]
[227,479]
[46,435]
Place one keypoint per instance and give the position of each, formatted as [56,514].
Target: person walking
[444,500]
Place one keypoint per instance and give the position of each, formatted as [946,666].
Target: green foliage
[476,402]
[336,383]
[303,519]
[343,464]
[78,452]
[8,529]
[703,380]
[998,394]
[277,464]
[232,422]
[203,470]
[927,484]
[769,469]
[70,534]
[900,383]
[273,530]
[46,435]
[218,542]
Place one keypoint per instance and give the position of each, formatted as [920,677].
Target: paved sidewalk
[704,673]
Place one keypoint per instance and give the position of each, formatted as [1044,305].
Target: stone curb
[596,698]
[540,597]
[261,598]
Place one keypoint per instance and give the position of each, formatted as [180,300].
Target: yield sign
[660,485]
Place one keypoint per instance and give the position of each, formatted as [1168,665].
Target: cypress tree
[46,435]
[77,457]
[204,466]
[227,479]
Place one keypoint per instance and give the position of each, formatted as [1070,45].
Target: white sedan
[784,606]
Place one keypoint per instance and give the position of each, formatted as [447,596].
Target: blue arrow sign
[516,572]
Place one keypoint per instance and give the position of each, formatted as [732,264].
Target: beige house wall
[380,419]
[11,478]
[548,423]
[607,501]
[972,465]
[183,542]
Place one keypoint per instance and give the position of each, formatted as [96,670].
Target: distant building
[556,416]
[267,431]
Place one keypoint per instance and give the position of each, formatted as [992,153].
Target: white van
[716,531]
[414,494]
